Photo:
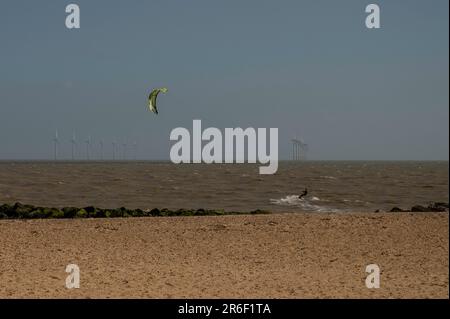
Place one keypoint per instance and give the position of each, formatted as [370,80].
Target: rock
[126,212]
[19,210]
[187,212]
[259,211]
[396,209]
[81,213]
[7,210]
[46,212]
[91,211]
[200,212]
[438,207]
[138,213]
[70,212]
[165,212]
[174,212]
[219,212]
[99,213]
[155,212]
[37,213]
[53,213]
[22,211]
[56,213]
[179,212]
[116,213]
[441,204]
[18,205]
[419,208]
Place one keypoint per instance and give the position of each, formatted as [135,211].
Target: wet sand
[260,256]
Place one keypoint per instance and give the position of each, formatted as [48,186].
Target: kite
[152,99]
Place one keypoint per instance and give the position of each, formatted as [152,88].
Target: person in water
[305,192]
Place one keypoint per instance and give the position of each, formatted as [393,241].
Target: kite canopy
[152,99]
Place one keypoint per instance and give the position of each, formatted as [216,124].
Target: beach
[295,255]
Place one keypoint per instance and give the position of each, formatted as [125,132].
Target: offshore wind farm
[96,151]
[91,150]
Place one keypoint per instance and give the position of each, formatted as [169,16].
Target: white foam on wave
[328,177]
[357,201]
[302,203]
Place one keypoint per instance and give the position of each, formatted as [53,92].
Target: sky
[310,68]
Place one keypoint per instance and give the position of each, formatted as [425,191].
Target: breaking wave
[304,204]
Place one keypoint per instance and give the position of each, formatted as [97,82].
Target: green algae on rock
[21,211]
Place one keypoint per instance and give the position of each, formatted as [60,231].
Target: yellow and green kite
[152,99]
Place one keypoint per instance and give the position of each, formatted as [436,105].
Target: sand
[262,256]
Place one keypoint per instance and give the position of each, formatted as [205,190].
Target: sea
[333,186]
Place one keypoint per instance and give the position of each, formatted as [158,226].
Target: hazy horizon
[310,68]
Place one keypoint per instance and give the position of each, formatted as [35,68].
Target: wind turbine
[114,149]
[74,145]
[304,148]
[135,149]
[299,149]
[56,143]
[124,144]
[88,144]
[101,150]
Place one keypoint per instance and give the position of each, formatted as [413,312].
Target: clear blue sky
[310,68]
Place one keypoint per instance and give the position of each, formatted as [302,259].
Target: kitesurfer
[305,192]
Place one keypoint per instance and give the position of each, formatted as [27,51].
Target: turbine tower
[114,150]
[73,141]
[124,144]
[56,143]
[88,145]
[135,150]
[299,149]
[305,149]
[101,150]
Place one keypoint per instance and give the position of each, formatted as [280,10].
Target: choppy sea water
[333,186]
